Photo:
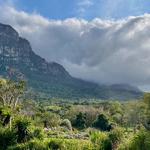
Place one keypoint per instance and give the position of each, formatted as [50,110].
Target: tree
[147,99]
[102,123]
[10,93]
[147,102]
[80,121]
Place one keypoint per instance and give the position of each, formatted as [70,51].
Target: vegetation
[71,125]
[102,123]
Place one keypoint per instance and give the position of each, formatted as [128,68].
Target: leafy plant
[7,138]
[66,123]
[22,131]
[102,123]
[101,140]
[80,121]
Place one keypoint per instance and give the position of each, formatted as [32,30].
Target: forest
[58,124]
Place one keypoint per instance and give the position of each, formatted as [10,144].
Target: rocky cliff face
[16,53]
[18,61]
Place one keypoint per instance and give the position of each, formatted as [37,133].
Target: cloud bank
[98,50]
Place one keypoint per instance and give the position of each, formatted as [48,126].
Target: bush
[74,144]
[102,123]
[5,115]
[116,136]
[101,140]
[7,138]
[22,129]
[55,144]
[80,121]
[66,123]
[70,144]
[31,145]
[50,120]
[141,141]
[38,133]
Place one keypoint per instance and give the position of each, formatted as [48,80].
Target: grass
[55,144]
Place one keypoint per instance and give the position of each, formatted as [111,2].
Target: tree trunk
[10,123]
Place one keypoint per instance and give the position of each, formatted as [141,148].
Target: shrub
[50,120]
[116,136]
[38,133]
[101,140]
[141,141]
[102,123]
[31,145]
[80,121]
[22,129]
[70,144]
[7,138]
[5,115]
[74,144]
[66,123]
[55,144]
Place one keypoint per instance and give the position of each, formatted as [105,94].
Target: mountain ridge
[19,61]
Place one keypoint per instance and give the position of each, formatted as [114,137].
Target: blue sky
[86,9]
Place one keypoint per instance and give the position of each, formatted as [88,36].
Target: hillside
[50,79]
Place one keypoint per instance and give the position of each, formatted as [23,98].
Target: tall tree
[10,94]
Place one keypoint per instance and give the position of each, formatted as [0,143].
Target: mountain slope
[18,61]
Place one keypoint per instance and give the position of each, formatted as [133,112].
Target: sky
[103,41]
[87,9]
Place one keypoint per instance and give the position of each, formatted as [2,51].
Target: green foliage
[78,145]
[147,99]
[7,138]
[101,140]
[50,119]
[51,124]
[107,140]
[22,129]
[10,92]
[147,102]
[37,132]
[116,135]
[80,121]
[5,115]
[54,109]
[102,123]
[141,141]
[31,145]
[56,144]
[66,123]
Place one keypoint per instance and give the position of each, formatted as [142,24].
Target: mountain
[50,79]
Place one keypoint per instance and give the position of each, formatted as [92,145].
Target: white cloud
[83,5]
[99,50]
